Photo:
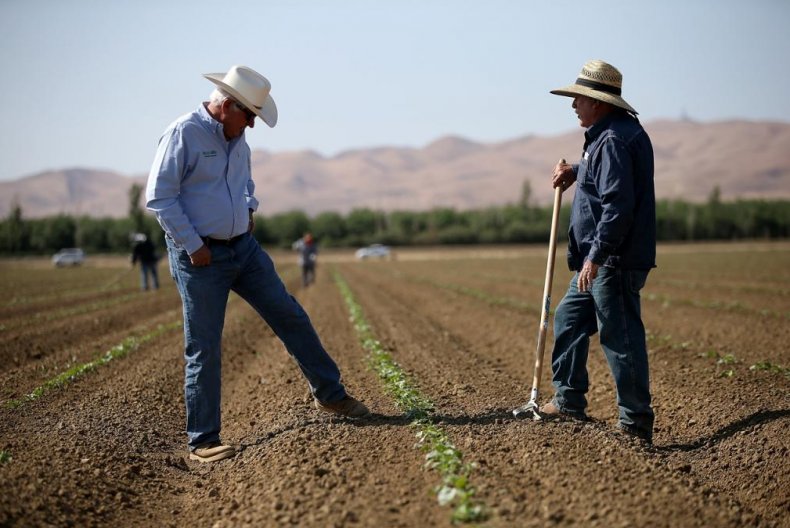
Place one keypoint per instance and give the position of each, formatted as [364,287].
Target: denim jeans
[308,274]
[148,268]
[246,269]
[612,308]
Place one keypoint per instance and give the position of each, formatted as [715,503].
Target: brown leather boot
[212,452]
[348,407]
[552,410]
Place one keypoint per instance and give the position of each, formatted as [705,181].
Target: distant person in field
[308,258]
[611,247]
[201,189]
[144,252]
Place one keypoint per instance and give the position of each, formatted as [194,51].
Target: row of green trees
[510,224]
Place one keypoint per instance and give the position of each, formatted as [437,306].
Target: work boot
[348,407]
[212,452]
[632,432]
[552,410]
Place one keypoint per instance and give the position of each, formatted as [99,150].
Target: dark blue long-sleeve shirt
[613,219]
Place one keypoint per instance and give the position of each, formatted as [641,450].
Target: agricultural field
[439,343]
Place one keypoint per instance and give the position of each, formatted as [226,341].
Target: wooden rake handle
[544,316]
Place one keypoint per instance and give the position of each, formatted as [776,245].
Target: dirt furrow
[403,310]
[109,449]
[299,466]
[37,340]
[54,349]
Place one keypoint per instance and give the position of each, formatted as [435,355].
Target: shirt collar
[214,126]
[602,124]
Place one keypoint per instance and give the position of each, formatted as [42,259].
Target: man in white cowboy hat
[611,247]
[201,189]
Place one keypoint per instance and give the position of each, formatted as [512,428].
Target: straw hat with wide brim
[600,81]
[249,88]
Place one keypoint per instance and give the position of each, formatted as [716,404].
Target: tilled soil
[109,448]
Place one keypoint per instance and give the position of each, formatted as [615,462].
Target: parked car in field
[374,251]
[68,257]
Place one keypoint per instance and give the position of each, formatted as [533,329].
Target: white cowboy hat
[600,81]
[249,88]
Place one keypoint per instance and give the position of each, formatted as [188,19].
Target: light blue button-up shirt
[200,184]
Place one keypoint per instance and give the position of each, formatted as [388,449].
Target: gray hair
[218,96]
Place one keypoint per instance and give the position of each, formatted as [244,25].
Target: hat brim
[267,112]
[575,89]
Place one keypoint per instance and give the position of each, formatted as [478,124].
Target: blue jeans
[612,308]
[247,270]
[148,268]
[308,274]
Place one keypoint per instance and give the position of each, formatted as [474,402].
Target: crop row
[441,454]
[77,371]
[120,350]
[745,293]
[664,341]
[729,306]
[58,295]
[70,311]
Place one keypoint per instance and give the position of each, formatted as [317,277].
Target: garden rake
[531,409]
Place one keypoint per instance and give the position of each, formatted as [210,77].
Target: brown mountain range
[744,159]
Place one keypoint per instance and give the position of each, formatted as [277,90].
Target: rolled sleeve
[249,195]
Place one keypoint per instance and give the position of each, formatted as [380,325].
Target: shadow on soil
[499,416]
[728,431]
[377,420]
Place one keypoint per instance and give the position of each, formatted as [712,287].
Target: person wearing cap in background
[308,257]
[145,252]
[200,187]
[611,247]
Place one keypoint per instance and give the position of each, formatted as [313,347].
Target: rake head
[528,411]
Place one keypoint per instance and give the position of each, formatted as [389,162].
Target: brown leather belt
[222,242]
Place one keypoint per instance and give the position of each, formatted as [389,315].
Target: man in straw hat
[611,247]
[201,189]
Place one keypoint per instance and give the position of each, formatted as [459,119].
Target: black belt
[222,242]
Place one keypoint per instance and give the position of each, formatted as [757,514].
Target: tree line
[519,223]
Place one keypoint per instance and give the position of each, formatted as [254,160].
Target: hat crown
[249,88]
[602,72]
[249,83]
[598,80]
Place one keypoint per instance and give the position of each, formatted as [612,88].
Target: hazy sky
[93,83]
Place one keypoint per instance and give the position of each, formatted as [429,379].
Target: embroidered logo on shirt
[209,153]
[586,155]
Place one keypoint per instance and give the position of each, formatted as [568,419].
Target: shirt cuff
[193,244]
[597,256]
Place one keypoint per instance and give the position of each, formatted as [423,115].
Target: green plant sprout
[770,367]
[440,454]
[118,351]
